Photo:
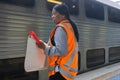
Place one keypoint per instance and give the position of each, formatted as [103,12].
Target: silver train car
[98,24]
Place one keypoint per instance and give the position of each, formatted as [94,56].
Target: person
[62,48]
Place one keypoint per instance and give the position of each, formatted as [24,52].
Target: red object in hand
[32,33]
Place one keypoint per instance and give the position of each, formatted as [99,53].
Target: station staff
[62,48]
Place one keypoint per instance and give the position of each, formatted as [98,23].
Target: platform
[110,72]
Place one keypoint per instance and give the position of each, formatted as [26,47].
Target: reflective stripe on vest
[71,58]
[66,73]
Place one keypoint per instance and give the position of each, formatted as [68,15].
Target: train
[98,25]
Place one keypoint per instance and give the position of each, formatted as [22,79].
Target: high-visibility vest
[68,64]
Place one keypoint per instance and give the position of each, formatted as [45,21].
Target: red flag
[32,33]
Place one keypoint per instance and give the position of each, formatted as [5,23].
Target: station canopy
[112,3]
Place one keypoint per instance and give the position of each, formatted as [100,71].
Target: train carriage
[98,25]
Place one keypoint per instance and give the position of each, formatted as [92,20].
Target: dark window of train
[25,3]
[73,5]
[94,9]
[13,69]
[114,54]
[95,57]
[79,61]
[114,15]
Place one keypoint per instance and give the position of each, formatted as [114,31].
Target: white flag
[35,58]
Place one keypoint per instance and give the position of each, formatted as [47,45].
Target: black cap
[63,10]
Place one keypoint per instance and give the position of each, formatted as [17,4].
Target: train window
[94,9]
[114,14]
[95,57]
[79,61]
[15,71]
[72,4]
[25,3]
[114,54]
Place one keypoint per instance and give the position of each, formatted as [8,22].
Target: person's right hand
[42,45]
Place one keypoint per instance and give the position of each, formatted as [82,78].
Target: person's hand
[42,45]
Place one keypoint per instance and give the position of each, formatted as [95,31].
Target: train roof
[112,3]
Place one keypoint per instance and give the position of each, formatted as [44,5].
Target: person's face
[57,17]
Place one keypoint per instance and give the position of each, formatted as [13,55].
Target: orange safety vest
[68,64]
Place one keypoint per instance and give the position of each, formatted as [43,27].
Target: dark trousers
[57,76]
